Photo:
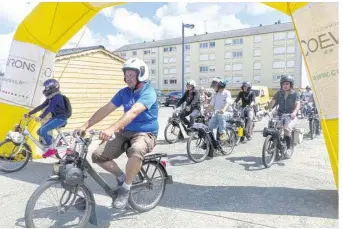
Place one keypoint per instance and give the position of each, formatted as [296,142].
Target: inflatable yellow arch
[50,25]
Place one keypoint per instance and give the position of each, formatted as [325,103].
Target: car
[173,98]
[161,97]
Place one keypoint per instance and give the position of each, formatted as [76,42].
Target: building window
[134,53]
[153,61]
[172,70]
[153,72]
[237,79]
[257,79]
[212,56]
[291,35]
[187,47]
[237,54]
[205,81]
[172,60]
[228,67]
[257,66]
[172,49]
[279,36]
[203,57]
[237,67]
[279,64]
[203,45]
[173,81]
[238,41]
[165,49]
[147,62]
[212,44]
[228,55]
[279,50]
[165,60]
[257,39]
[153,51]
[291,49]
[123,54]
[165,71]
[228,42]
[203,69]
[212,68]
[147,52]
[290,63]
[276,78]
[257,52]
[165,81]
[187,58]
[187,69]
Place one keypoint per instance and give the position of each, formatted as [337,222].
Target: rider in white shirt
[221,105]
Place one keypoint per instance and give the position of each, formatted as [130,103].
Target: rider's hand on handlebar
[27,115]
[106,134]
[38,119]
[80,131]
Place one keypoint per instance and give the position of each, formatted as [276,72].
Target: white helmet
[139,66]
[191,82]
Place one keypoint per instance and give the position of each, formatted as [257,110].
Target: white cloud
[255,9]
[86,37]
[216,16]
[14,12]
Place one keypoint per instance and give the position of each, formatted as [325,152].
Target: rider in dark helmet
[288,102]
[54,104]
[248,99]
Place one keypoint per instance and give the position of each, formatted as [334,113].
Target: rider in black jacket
[192,99]
[248,99]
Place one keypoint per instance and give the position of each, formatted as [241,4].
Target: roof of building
[63,53]
[211,36]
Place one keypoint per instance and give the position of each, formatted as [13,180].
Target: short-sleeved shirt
[147,121]
[286,104]
[219,100]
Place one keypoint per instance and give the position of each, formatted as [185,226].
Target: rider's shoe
[288,154]
[49,153]
[122,198]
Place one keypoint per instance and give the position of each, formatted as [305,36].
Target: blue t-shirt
[147,121]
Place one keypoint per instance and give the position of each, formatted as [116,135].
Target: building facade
[259,55]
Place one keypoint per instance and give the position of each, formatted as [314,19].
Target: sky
[138,22]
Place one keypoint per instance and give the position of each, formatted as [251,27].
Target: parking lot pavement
[228,191]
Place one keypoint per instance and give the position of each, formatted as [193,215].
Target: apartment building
[259,55]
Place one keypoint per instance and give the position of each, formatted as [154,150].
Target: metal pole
[183,59]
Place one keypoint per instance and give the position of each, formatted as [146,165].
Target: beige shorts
[138,145]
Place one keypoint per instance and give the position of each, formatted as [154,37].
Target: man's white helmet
[139,66]
[191,82]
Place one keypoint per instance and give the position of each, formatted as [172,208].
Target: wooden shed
[90,77]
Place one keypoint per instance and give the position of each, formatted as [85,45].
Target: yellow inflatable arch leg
[318,22]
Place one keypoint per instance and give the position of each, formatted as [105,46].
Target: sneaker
[288,154]
[49,153]
[122,198]
[223,137]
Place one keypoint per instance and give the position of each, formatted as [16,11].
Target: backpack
[67,105]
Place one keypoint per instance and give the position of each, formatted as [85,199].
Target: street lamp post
[188,26]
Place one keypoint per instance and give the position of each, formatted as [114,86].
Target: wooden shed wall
[90,81]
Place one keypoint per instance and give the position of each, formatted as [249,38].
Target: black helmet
[308,87]
[246,84]
[285,78]
[51,86]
